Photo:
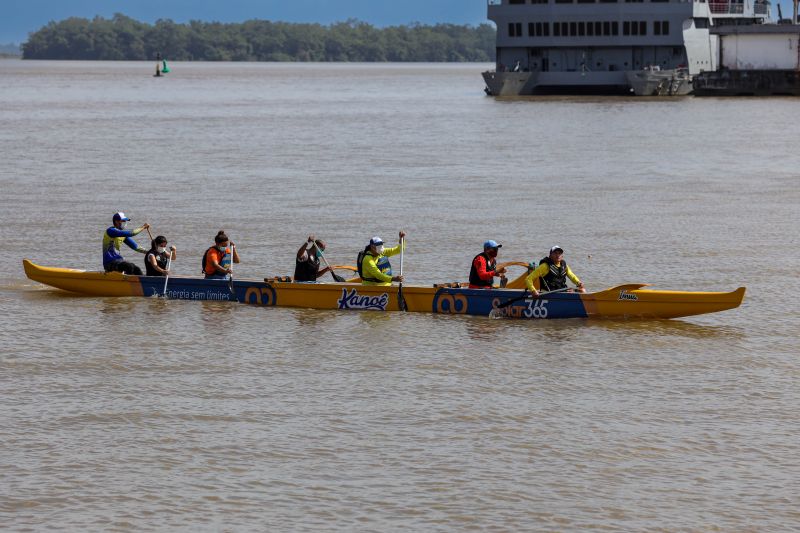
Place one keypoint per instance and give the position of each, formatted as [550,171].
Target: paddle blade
[337,278]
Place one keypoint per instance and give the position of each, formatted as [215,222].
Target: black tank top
[306,270]
[161,261]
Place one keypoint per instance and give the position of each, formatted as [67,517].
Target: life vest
[474,279]
[382,263]
[556,277]
[161,261]
[306,270]
[225,262]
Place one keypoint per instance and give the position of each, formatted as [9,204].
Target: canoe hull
[625,301]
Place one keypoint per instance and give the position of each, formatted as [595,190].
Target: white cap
[556,248]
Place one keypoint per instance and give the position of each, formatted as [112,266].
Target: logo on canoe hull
[353,300]
[625,295]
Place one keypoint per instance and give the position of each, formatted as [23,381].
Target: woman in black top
[155,262]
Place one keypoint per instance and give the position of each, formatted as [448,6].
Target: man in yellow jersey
[553,271]
[373,263]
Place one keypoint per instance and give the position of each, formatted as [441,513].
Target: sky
[20,17]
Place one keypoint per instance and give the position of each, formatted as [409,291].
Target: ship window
[564,29]
[657,27]
[700,23]
[586,1]
[539,1]
[563,1]
[598,28]
[665,27]
[530,29]
[581,29]
[606,28]
[608,1]
[516,1]
[573,29]
[590,29]
[659,0]
[626,28]
[515,29]
[546,29]
[556,29]
[642,27]
[615,28]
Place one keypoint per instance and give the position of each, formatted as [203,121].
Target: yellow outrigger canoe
[623,301]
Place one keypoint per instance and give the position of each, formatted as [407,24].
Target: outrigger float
[623,301]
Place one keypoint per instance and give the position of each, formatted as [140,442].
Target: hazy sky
[19,17]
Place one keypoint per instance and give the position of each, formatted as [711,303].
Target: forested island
[123,38]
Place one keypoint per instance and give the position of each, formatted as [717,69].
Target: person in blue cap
[484,267]
[113,238]
[373,263]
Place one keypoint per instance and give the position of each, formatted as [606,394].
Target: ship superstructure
[609,46]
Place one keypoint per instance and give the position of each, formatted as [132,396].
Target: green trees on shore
[123,38]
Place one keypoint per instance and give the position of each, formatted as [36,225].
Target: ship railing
[726,8]
[761,9]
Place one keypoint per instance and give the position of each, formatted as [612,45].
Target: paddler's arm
[370,270]
[574,279]
[235,253]
[132,245]
[388,252]
[540,271]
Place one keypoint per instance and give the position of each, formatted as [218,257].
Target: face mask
[161,249]
[379,249]
[318,253]
[123,224]
[492,253]
[222,248]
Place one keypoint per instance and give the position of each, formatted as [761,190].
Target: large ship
[645,47]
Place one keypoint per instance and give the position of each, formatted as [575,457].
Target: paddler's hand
[397,278]
[580,288]
[146,225]
[402,235]
[172,247]
[535,293]
[311,238]
[500,271]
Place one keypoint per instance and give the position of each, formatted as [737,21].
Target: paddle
[166,280]
[336,277]
[525,295]
[400,300]
[230,277]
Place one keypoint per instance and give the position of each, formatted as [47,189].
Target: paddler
[217,259]
[113,238]
[373,262]
[306,266]
[484,267]
[553,271]
[156,259]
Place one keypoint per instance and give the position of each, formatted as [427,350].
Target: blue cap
[375,241]
[119,216]
[491,244]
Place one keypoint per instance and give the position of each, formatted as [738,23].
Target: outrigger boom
[623,301]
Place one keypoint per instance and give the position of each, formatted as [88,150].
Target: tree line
[123,38]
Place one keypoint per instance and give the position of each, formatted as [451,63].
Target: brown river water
[143,414]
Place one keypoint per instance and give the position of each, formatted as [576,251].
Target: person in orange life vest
[217,259]
[484,267]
